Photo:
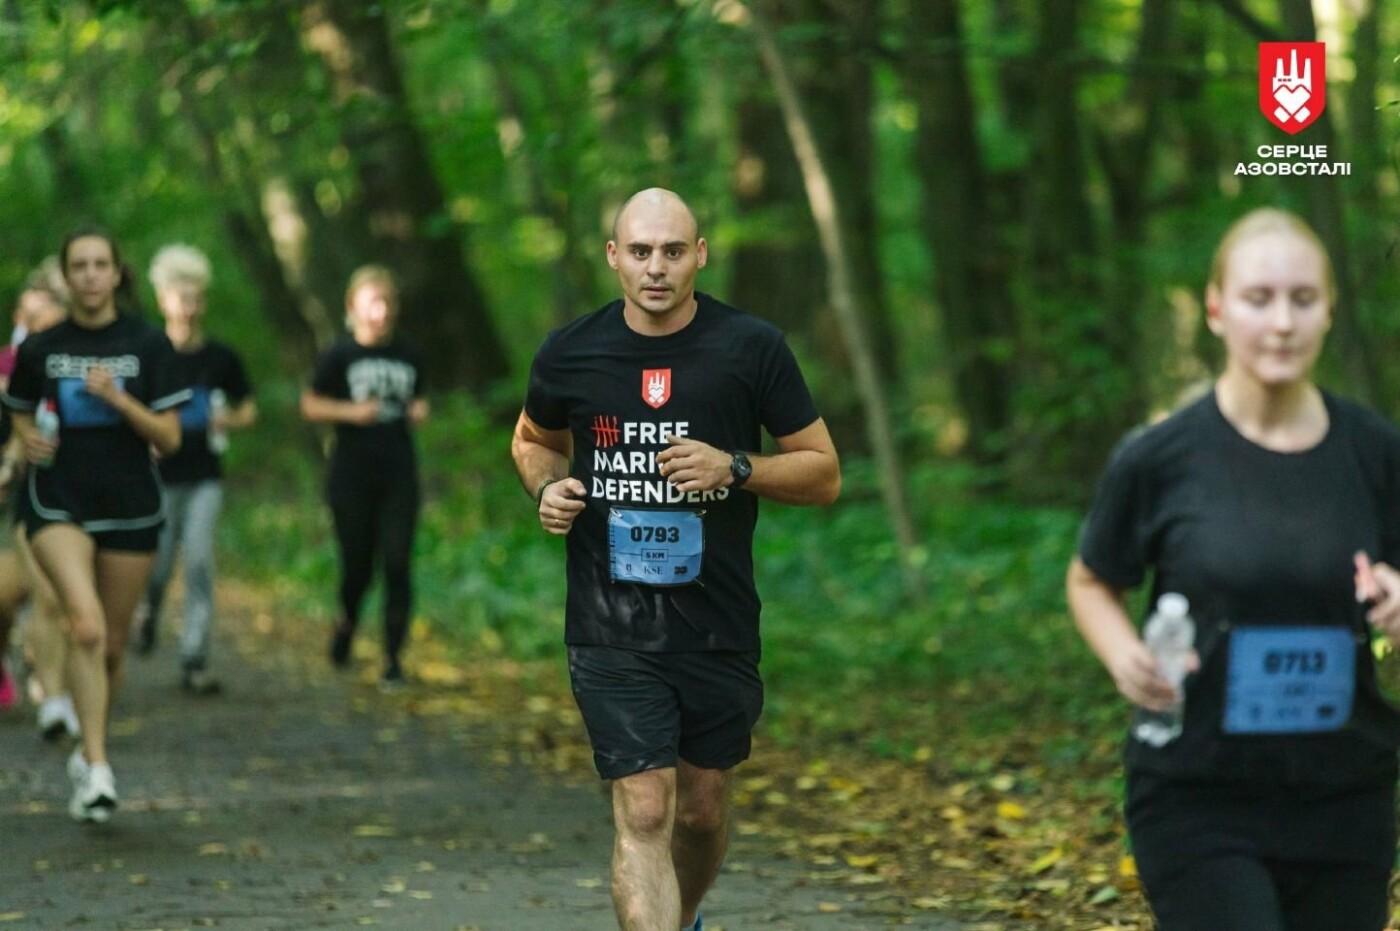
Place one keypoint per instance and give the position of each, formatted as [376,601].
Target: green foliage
[166,121]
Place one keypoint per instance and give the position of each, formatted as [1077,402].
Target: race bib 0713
[1289,680]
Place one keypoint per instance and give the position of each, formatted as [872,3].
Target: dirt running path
[300,800]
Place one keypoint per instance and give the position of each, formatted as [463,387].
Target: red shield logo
[1292,83]
[656,386]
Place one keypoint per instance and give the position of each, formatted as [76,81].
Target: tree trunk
[1362,114]
[1081,347]
[772,266]
[841,282]
[830,61]
[837,88]
[970,266]
[445,308]
[1326,196]
[1127,156]
[252,243]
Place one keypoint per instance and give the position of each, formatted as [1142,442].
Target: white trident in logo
[656,389]
[1292,90]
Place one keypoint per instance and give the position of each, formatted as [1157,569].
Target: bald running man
[639,442]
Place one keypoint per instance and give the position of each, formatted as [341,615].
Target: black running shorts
[123,514]
[647,710]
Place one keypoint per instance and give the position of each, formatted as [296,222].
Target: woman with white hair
[193,477]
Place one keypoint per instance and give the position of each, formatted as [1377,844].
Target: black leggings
[375,509]
[1257,858]
[1245,893]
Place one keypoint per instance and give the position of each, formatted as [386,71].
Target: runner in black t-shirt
[637,440]
[94,511]
[221,401]
[370,385]
[42,305]
[1264,503]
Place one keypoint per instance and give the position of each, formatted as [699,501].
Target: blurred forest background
[985,226]
[1027,190]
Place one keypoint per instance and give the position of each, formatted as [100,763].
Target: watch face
[740,467]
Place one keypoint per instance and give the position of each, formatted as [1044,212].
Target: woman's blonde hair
[1263,221]
[48,278]
[373,274]
[180,264]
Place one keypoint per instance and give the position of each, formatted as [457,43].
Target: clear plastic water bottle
[1169,634]
[218,407]
[46,422]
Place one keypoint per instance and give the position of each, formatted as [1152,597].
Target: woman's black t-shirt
[391,373]
[722,380]
[97,448]
[1255,538]
[212,367]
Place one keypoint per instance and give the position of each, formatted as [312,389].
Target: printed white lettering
[386,379]
[1293,151]
[645,431]
[62,365]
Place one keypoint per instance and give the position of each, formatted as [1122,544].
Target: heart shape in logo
[1292,99]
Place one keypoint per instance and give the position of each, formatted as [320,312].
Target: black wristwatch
[740,468]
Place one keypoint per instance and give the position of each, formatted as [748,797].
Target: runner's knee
[88,632]
[643,805]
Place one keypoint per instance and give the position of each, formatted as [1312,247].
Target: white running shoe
[95,797]
[57,717]
[77,767]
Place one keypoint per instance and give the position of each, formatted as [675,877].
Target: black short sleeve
[235,382]
[545,403]
[328,378]
[163,386]
[786,404]
[27,381]
[1390,500]
[1110,540]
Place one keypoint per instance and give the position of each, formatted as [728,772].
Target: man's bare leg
[701,834]
[645,892]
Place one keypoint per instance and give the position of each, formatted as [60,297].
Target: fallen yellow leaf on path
[1047,860]
[1010,811]
[373,830]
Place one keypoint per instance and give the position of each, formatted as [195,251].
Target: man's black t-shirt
[98,449]
[1254,537]
[212,367]
[392,373]
[722,380]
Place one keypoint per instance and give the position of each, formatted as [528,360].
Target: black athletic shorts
[135,528]
[647,710]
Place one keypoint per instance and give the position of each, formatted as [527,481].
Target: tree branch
[1252,24]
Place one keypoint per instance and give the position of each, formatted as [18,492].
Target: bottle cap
[1173,603]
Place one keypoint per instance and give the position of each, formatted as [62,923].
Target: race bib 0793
[655,547]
